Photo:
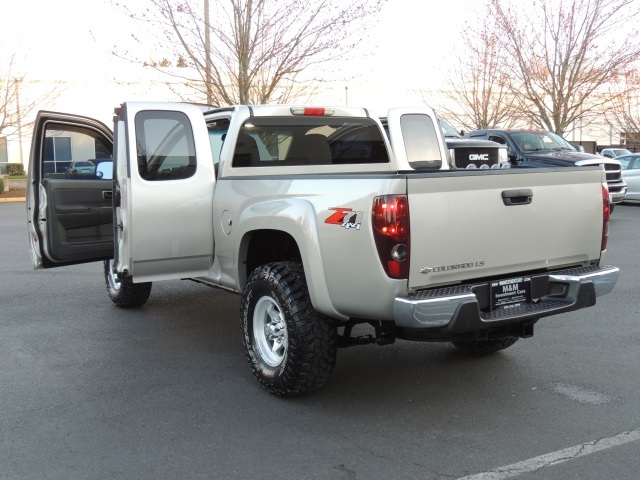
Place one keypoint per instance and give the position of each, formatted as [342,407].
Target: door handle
[517,197]
[107,195]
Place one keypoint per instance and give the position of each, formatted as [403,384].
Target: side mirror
[580,148]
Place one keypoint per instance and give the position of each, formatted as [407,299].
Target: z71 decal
[345,217]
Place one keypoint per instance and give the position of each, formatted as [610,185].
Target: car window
[279,141]
[534,141]
[625,162]
[166,149]
[448,130]
[217,134]
[420,141]
[72,152]
[621,151]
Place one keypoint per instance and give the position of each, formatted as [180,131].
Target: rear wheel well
[266,246]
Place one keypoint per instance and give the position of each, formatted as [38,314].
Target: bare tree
[478,94]
[561,54]
[13,107]
[253,51]
[21,97]
[624,114]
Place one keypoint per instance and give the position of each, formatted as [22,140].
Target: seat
[246,153]
[311,149]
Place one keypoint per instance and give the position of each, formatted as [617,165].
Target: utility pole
[207,52]
[346,96]
[17,83]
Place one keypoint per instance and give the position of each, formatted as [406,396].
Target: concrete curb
[17,199]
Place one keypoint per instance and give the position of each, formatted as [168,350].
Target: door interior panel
[79,219]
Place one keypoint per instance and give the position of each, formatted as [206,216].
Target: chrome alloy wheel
[112,280]
[270,332]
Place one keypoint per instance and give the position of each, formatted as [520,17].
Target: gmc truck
[540,148]
[472,152]
[322,222]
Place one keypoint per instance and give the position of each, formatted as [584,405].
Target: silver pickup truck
[322,221]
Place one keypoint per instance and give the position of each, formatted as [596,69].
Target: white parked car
[631,174]
[614,152]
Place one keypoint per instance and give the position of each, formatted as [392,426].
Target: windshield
[448,130]
[539,141]
[621,151]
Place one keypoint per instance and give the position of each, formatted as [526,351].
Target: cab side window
[166,149]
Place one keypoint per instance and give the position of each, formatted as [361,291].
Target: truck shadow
[193,332]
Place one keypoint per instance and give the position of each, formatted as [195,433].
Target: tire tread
[129,295]
[312,346]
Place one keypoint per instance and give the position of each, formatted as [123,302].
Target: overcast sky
[409,49]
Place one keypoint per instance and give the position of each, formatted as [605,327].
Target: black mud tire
[124,293]
[290,347]
[486,347]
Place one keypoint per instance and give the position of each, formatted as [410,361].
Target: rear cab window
[292,141]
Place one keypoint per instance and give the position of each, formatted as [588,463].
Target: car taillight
[391,233]
[606,215]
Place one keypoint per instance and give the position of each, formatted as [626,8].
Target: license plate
[513,291]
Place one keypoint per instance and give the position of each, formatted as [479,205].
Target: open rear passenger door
[163,193]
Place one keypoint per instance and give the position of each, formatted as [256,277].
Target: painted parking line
[554,458]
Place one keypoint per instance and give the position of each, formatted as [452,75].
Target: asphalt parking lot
[90,391]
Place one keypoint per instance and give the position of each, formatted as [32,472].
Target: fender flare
[296,217]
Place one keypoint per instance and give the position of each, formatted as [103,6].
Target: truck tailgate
[463,227]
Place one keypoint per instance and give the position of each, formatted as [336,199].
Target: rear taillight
[391,233]
[606,214]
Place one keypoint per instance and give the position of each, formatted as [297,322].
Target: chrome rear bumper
[463,309]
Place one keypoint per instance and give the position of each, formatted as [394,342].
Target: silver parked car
[631,174]
[614,152]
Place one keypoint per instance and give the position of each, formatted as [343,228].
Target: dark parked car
[540,148]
